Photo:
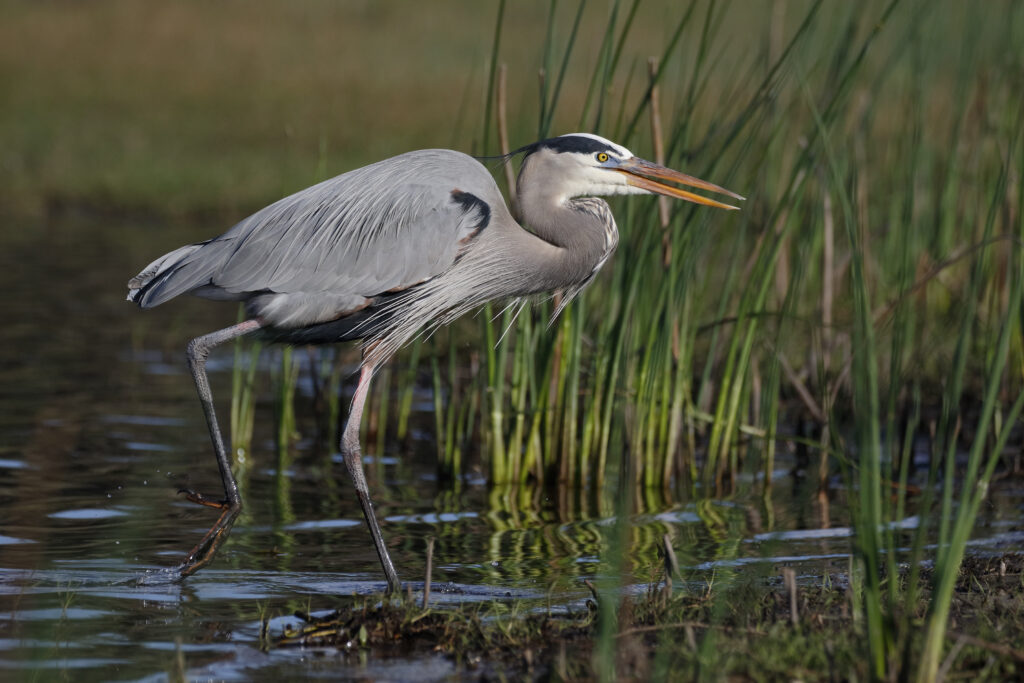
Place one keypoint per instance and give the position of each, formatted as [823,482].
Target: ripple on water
[147,446]
[433,517]
[318,524]
[831,532]
[55,614]
[70,663]
[88,514]
[144,420]
[370,459]
[9,464]
[11,540]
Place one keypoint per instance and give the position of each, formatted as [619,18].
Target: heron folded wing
[358,235]
[381,228]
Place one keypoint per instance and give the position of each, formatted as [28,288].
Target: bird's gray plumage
[331,248]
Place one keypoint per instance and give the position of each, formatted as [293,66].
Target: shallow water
[99,427]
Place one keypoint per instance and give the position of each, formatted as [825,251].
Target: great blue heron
[381,252]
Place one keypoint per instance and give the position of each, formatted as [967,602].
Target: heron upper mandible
[381,252]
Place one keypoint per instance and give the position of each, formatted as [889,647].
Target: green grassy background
[183,107]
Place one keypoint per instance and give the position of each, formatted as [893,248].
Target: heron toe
[199,498]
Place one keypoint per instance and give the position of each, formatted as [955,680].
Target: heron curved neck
[582,230]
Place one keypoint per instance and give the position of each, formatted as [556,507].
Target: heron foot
[199,498]
[204,551]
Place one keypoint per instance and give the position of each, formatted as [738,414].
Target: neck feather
[582,230]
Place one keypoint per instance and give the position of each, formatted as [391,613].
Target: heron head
[582,164]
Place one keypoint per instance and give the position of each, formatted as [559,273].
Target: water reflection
[100,427]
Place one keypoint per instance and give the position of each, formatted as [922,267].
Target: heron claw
[206,549]
[199,498]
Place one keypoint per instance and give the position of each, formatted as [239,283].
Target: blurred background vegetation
[183,107]
[191,107]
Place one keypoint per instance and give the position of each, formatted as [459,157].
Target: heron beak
[641,173]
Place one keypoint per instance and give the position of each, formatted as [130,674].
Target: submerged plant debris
[750,630]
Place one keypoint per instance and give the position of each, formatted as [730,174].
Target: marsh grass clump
[476,636]
[744,628]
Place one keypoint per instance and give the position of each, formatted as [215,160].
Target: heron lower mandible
[381,252]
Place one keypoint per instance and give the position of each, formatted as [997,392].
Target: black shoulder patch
[470,202]
[575,144]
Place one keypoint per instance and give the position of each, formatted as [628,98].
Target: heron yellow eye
[602,157]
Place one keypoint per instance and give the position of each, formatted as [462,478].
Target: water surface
[99,427]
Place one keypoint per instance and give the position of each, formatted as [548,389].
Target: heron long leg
[198,351]
[351,452]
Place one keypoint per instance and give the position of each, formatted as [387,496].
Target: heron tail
[144,288]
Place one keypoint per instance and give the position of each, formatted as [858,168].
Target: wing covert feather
[383,227]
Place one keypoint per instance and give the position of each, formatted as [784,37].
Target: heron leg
[351,452]
[198,351]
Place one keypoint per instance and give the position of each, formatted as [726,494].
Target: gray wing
[329,249]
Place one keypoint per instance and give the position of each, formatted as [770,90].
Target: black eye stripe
[575,143]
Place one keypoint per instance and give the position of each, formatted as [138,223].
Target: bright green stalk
[496,374]
[951,400]
[492,70]
[741,347]
[974,488]
[518,399]
[623,36]
[286,400]
[452,445]
[901,334]
[601,72]
[545,81]
[243,397]
[549,113]
[408,386]
[669,419]
[663,60]
[383,385]
[573,398]
[868,515]
[333,390]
